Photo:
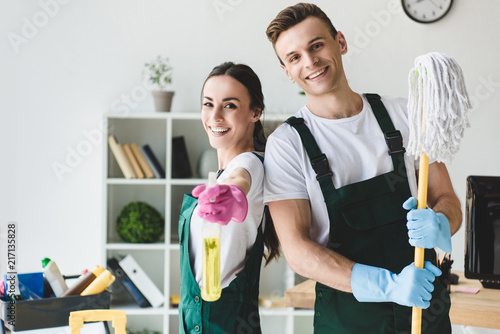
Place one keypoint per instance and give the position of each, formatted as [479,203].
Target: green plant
[159,72]
[139,222]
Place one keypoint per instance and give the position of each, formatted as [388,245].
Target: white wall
[72,61]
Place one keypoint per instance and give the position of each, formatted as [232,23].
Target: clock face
[426,11]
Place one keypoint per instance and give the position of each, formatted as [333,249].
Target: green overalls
[237,310]
[368,225]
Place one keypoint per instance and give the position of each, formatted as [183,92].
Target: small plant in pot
[159,73]
[139,222]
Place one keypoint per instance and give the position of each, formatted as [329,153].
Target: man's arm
[292,220]
[434,226]
[441,197]
[411,287]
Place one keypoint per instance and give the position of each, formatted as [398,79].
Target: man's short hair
[293,15]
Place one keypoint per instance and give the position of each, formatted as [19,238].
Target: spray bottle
[210,286]
[54,277]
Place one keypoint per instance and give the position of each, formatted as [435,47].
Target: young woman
[232,104]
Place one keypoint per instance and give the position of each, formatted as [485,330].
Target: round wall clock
[426,11]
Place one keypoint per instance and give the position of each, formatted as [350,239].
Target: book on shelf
[181,168]
[127,283]
[148,173]
[133,162]
[142,281]
[154,164]
[121,158]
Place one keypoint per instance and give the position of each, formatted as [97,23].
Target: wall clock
[426,11]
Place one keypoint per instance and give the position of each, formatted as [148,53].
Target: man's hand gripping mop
[437,109]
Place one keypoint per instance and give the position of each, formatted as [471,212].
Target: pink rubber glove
[221,203]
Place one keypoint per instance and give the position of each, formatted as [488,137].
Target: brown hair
[293,15]
[247,77]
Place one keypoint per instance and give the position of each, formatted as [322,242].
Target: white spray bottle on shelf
[211,285]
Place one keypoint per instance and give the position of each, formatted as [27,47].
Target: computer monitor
[482,244]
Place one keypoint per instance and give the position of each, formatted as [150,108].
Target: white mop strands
[438,103]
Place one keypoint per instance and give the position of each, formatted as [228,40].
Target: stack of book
[137,283]
[134,161]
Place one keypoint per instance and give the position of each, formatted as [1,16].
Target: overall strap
[319,163]
[393,137]
[261,158]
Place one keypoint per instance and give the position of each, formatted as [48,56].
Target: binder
[127,283]
[142,281]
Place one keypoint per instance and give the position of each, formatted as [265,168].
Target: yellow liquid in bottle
[211,290]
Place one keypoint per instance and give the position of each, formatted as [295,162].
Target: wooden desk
[479,310]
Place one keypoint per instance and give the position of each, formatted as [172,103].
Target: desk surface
[478,310]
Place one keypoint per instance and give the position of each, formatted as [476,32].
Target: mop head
[437,107]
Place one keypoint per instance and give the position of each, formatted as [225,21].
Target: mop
[437,110]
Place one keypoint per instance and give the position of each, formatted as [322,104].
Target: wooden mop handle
[423,177]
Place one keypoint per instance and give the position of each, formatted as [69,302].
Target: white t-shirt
[355,148]
[237,239]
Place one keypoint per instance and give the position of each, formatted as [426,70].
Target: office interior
[66,64]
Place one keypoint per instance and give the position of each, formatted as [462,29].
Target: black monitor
[482,217]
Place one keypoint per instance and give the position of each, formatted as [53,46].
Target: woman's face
[226,113]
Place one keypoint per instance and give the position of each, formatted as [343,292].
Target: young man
[336,179]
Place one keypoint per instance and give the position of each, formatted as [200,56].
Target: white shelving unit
[161,260]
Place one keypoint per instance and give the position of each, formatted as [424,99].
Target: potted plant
[159,74]
[139,222]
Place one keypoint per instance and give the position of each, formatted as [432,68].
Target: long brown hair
[247,77]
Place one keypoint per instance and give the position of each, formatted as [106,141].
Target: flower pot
[162,99]
[207,162]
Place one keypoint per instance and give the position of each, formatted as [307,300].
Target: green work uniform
[368,226]
[237,310]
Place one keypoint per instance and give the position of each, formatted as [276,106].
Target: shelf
[274,117]
[187,182]
[174,247]
[160,260]
[136,181]
[155,115]
[132,309]
[173,311]
[130,246]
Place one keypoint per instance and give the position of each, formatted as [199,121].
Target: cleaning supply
[2,290]
[437,110]
[373,284]
[211,286]
[438,105]
[231,203]
[118,319]
[54,277]
[83,281]
[31,285]
[100,284]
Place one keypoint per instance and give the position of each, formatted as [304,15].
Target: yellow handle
[423,178]
[77,318]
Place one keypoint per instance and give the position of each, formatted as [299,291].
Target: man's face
[311,56]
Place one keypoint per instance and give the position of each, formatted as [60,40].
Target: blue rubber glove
[426,228]
[412,287]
